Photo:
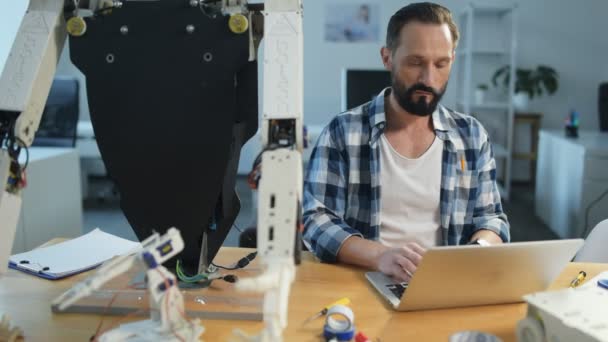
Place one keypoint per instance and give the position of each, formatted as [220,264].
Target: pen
[341,301]
[462,163]
[579,279]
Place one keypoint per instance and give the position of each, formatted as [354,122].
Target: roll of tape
[473,336]
[530,329]
[339,323]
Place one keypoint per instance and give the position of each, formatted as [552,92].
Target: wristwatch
[480,242]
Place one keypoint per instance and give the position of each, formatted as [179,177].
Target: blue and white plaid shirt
[342,191]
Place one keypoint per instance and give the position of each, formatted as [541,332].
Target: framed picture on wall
[351,22]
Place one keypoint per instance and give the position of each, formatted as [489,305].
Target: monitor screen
[360,86]
[60,116]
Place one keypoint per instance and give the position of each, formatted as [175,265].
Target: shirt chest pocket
[466,191]
[467,179]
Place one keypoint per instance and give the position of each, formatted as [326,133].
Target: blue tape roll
[339,323]
[340,335]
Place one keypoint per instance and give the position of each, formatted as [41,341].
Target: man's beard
[405,97]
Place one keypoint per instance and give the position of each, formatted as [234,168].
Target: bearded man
[402,173]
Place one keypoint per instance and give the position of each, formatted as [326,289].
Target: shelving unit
[488,41]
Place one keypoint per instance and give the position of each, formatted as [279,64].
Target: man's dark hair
[424,12]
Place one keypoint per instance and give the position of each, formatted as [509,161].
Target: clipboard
[73,256]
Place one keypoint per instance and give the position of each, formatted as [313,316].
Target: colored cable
[239,264]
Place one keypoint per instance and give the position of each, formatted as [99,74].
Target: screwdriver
[341,301]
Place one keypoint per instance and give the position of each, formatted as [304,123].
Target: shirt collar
[443,122]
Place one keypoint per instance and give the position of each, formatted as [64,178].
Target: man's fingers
[405,264]
[417,248]
[414,257]
[400,275]
[411,254]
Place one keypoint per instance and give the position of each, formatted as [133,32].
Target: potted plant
[528,83]
[480,93]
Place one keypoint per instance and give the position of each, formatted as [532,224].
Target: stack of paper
[73,256]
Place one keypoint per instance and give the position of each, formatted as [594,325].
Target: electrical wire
[27,154]
[258,158]
[166,306]
[101,10]
[188,278]
[239,264]
[243,261]
[225,268]
[205,5]
[115,4]
[13,145]
[98,331]
[105,311]
[253,178]
[162,308]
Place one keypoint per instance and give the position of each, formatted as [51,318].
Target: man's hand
[400,263]
[394,262]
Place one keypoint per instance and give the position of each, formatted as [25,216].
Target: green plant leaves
[533,82]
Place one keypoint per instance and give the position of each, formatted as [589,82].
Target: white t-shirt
[410,196]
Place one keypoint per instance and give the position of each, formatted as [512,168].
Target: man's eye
[415,62]
[441,65]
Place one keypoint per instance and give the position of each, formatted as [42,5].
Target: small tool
[341,301]
[579,279]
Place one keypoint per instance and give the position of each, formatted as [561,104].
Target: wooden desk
[27,300]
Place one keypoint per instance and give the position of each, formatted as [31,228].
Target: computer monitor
[60,116]
[360,86]
[171,110]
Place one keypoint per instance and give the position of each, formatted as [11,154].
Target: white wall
[10,19]
[567,35]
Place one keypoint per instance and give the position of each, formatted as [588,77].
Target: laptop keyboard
[397,289]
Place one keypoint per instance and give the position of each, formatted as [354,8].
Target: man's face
[420,66]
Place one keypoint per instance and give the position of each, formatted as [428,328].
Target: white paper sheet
[74,256]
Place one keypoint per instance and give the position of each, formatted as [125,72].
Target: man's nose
[427,77]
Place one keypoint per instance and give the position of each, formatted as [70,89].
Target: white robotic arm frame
[168,321]
[25,84]
[280,188]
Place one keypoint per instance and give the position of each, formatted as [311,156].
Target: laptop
[468,275]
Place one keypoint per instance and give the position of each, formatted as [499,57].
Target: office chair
[594,249]
[60,115]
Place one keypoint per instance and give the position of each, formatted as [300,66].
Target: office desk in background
[27,300]
[52,202]
[571,174]
[91,163]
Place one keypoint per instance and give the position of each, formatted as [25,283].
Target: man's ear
[387,58]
